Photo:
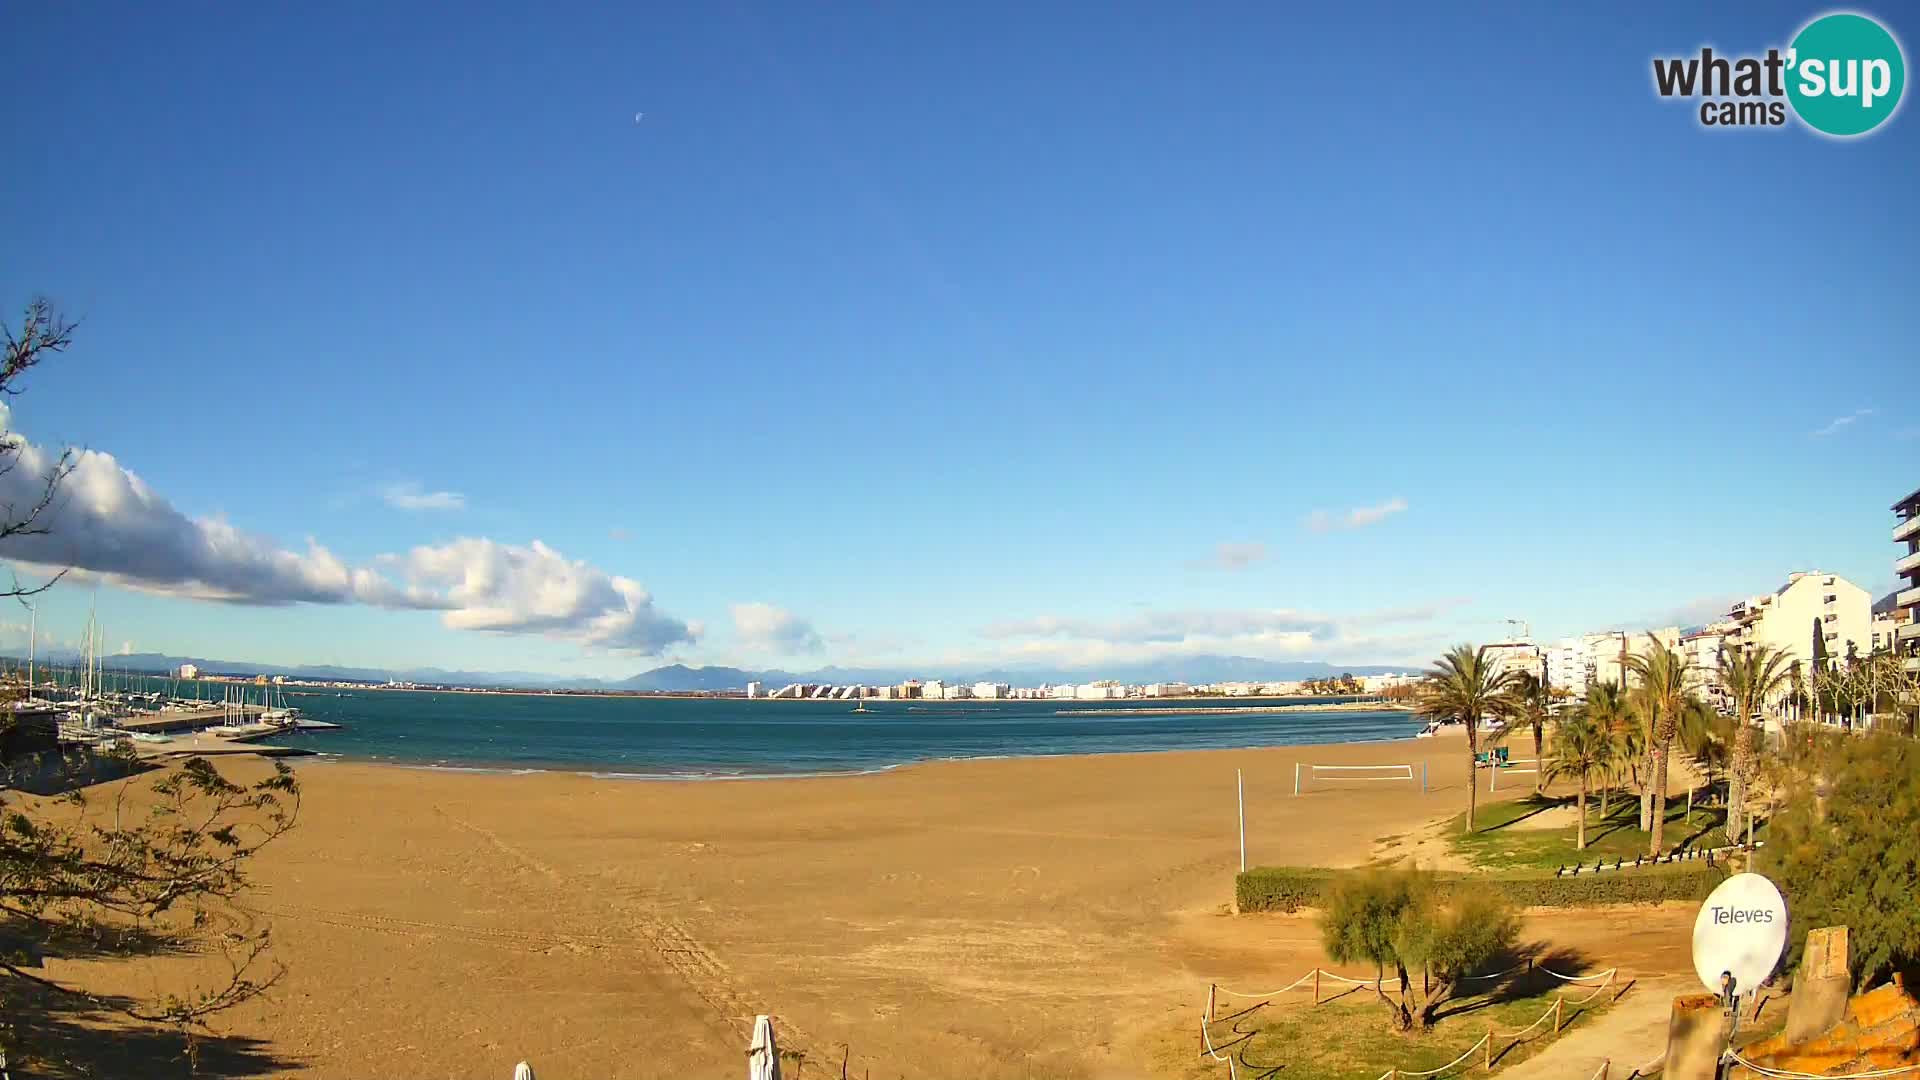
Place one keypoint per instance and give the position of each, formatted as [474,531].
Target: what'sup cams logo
[1843,76]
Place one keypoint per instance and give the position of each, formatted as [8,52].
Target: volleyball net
[1308,776]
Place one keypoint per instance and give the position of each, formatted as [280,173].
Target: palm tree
[1581,747]
[1708,740]
[1607,708]
[1663,690]
[1752,676]
[1465,685]
[1528,703]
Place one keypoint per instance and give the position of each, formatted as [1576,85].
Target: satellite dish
[1741,931]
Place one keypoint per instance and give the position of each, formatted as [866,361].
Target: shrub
[1288,888]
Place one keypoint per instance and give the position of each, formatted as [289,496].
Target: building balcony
[1907,529]
[1909,565]
[1908,632]
[1907,598]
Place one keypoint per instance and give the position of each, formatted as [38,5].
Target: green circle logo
[1845,74]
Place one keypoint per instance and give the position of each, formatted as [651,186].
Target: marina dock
[184,719]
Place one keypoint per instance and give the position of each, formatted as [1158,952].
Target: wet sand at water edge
[997,918]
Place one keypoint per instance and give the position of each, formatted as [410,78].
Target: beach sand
[999,918]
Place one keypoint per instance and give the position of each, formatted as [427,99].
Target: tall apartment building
[1907,570]
[1573,664]
[1785,618]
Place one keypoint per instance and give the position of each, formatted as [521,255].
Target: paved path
[1630,1034]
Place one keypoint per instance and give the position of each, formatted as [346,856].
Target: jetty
[186,719]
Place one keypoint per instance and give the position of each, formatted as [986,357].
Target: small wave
[492,770]
[703,776]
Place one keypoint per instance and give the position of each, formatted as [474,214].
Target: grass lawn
[1503,840]
[1351,1038]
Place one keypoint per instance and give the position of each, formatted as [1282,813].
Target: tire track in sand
[676,949]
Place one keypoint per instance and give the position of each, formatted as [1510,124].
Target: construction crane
[1526,628]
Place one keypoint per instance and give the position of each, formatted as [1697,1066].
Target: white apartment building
[1886,629]
[753,690]
[1906,569]
[992,691]
[1701,649]
[1517,656]
[189,671]
[957,692]
[933,690]
[1375,684]
[1168,689]
[1099,691]
[1566,662]
[1786,618]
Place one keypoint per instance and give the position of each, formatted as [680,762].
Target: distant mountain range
[679,678]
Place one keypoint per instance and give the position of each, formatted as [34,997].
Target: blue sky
[892,335]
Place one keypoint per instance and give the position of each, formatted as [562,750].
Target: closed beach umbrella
[763,1057]
[523,1071]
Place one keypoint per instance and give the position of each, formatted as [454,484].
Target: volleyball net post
[1493,774]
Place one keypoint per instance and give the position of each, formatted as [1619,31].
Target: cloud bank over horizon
[108,523]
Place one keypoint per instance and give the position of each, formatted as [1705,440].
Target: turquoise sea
[678,738]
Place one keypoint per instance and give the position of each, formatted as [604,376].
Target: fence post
[1557,1002]
[1316,986]
[1489,1049]
[1211,987]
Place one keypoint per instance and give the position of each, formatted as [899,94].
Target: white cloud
[1357,518]
[1164,626]
[768,628]
[107,523]
[1275,634]
[1234,556]
[1839,422]
[507,588]
[410,497]
[1699,610]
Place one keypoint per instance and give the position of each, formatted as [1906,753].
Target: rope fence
[1789,1074]
[1556,1012]
[1232,1073]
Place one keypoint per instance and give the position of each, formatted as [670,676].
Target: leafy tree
[1848,843]
[1581,748]
[1707,738]
[1465,686]
[162,870]
[1400,920]
[1664,675]
[1752,677]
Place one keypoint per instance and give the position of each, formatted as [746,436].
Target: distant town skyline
[860,353]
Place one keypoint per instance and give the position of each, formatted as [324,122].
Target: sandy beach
[1001,918]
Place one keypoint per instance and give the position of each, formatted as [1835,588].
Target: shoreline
[1222,710]
[714,775]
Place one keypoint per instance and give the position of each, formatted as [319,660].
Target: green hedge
[1287,888]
